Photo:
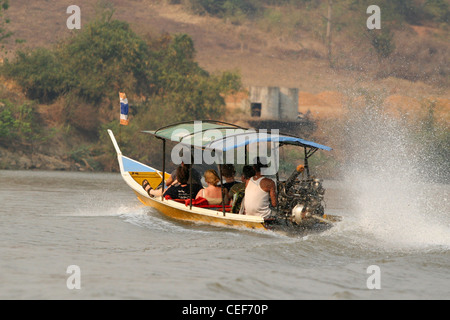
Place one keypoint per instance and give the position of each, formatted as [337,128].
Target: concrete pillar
[269,99]
[288,103]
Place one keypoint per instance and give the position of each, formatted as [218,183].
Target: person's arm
[226,198]
[269,186]
[273,194]
[169,181]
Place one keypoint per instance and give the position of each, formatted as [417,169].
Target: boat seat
[176,200]
[201,203]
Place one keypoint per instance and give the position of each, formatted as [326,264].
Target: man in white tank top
[259,194]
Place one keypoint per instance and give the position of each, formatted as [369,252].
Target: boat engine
[299,199]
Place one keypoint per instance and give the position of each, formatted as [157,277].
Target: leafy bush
[38,72]
[222,8]
[417,11]
[438,10]
[106,57]
[17,123]
[4,33]
[382,41]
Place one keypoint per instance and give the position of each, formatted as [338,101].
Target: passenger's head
[187,165]
[182,174]
[247,173]
[211,177]
[228,171]
[259,164]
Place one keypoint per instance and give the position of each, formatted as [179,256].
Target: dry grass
[261,59]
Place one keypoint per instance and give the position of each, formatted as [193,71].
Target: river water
[52,220]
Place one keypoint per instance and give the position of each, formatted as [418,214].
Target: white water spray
[395,207]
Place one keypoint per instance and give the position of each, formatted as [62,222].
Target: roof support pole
[246,154]
[163,170]
[221,187]
[190,179]
[277,191]
[306,163]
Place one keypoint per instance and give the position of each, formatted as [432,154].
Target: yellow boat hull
[176,211]
[134,173]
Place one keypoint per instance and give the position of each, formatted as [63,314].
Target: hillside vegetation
[180,59]
[395,50]
[81,79]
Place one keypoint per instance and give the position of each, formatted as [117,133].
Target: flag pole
[120,114]
[120,134]
[123,113]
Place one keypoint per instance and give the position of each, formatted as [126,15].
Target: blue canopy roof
[221,136]
[249,137]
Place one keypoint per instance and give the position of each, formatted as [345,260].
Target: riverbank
[260,57]
[20,160]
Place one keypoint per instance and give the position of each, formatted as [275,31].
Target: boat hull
[176,211]
[134,173]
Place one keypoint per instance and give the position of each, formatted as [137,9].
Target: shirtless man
[259,194]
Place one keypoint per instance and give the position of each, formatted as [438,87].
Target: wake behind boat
[299,206]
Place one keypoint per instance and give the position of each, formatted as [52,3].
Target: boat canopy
[222,136]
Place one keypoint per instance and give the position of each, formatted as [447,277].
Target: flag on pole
[123,109]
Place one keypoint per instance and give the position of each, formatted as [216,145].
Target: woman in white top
[212,192]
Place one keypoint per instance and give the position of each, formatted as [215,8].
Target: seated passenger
[228,173]
[259,194]
[237,191]
[179,190]
[173,175]
[212,192]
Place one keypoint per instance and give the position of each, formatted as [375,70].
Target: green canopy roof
[195,133]
[217,135]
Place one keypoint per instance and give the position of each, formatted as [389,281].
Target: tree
[18,123]
[4,33]
[106,56]
[222,8]
[382,41]
[38,72]
[88,70]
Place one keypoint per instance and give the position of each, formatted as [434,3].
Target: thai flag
[123,109]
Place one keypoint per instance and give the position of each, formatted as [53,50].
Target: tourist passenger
[259,194]
[237,192]
[179,190]
[228,173]
[195,175]
[212,193]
